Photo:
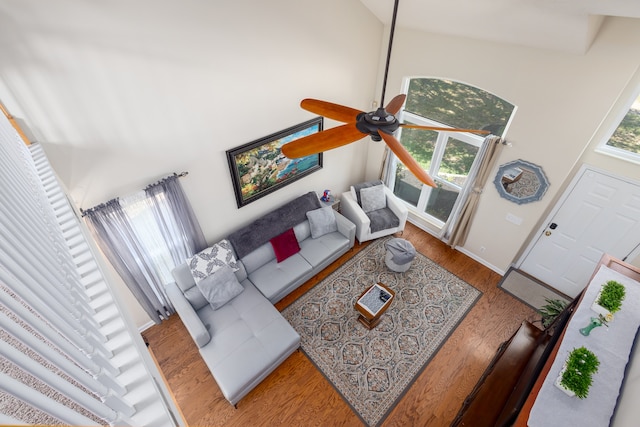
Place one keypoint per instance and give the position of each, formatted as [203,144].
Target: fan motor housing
[373,122]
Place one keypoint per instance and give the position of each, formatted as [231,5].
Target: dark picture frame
[259,168]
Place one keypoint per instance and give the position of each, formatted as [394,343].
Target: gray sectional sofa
[245,339]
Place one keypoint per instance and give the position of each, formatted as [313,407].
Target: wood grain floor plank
[297,394]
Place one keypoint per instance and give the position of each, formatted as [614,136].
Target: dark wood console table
[508,388]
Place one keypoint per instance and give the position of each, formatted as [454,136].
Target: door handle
[552,226]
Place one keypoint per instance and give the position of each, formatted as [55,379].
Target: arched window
[449,157]
[625,140]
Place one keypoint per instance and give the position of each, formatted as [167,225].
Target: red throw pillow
[285,245]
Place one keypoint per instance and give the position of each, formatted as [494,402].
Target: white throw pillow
[210,260]
[373,198]
[322,221]
[220,287]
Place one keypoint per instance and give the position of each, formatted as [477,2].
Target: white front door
[601,214]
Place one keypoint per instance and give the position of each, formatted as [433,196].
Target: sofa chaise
[241,336]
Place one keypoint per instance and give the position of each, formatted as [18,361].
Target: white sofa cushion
[249,339]
[315,250]
[273,276]
[259,257]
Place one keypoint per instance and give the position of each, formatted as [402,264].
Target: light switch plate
[514,219]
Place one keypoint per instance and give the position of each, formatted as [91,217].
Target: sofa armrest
[188,315]
[346,228]
[397,207]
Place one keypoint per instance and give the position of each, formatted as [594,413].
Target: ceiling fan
[379,124]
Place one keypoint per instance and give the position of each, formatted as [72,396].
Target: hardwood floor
[297,394]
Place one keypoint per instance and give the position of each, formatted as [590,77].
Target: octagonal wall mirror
[521,182]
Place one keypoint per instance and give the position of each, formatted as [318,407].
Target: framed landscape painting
[259,167]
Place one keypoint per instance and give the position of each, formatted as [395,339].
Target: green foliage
[457,104]
[611,296]
[550,311]
[577,377]
[454,104]
[627,135]
[421,144]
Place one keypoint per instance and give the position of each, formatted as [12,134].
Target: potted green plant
[550,311]
[610,298]
[576,376]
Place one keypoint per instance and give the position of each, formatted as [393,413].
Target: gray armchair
[374,209]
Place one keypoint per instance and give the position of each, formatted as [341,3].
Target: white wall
[561,99]
[121,93]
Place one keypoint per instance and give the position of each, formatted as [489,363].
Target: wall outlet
[514,219]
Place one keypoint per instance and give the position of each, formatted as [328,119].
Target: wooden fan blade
[480,131]
[404,156]
[322,141]
[330,110]
[396,104]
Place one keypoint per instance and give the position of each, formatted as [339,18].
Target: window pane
[458,105]
[407,186]
[148,233]
[456,161]
[441,201]
[627,135]
[420,144]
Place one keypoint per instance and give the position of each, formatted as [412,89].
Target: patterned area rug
[373,368]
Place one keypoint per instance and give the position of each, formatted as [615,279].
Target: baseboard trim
[146,326]
[481,261]
[471,255]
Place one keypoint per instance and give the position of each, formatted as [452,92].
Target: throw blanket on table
[265,228]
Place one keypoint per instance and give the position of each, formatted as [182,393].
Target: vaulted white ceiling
[565,25]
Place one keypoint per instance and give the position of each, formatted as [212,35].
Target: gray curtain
[117,239]
[176,219]
[489,152]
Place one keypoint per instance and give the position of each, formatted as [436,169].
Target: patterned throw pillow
[211,260]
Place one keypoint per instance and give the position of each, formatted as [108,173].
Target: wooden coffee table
[371,304]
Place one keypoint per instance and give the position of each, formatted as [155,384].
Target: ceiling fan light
[380,117]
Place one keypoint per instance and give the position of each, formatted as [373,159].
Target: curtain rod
[178,175]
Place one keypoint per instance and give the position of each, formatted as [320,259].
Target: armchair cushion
[355,189]
[322,221]
[383,219]
[373,198]
[372,225]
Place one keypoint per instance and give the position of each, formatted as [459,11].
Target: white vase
[560,386]
[597,307]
